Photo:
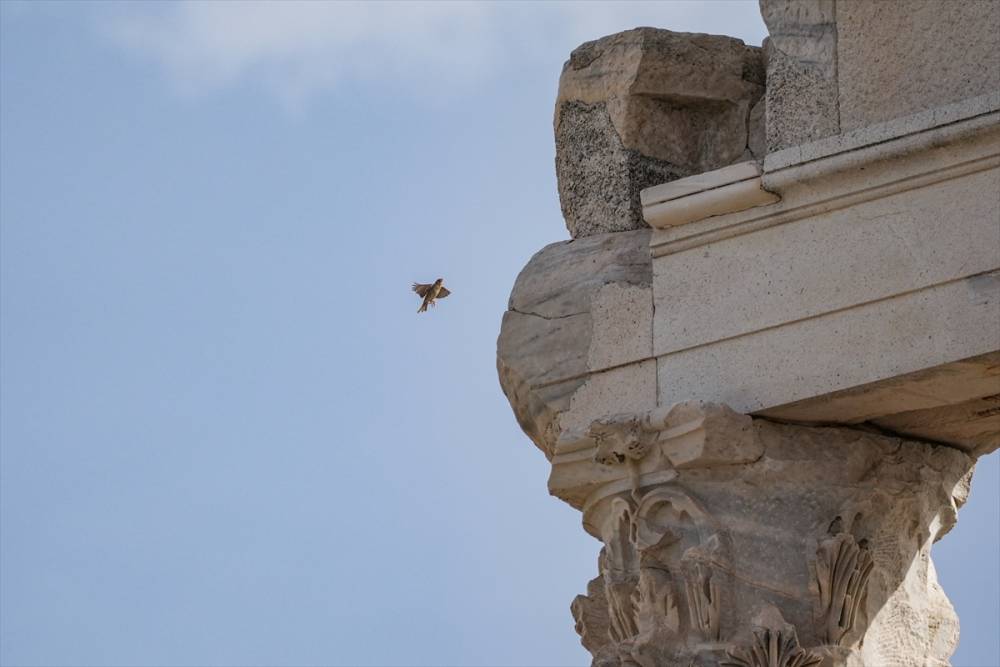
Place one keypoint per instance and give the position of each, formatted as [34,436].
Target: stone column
[745,540]
[728,539]
[737,541]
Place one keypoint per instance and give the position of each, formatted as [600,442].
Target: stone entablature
[877,259]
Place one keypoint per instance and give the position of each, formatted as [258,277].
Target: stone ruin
[767,361]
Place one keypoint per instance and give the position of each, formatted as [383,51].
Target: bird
[430,292]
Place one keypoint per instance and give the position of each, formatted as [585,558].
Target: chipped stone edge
[734,188]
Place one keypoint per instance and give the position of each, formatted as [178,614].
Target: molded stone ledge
[897,128]
[726,190]
[880,261]
[744,186]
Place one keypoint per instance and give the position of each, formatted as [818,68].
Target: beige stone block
[611,392]
[838,350]
[726,190]
[577,307]
[898,58]
[974,425]
[957,403]
[622,316]
[907,241]
[801,54]
[709,435]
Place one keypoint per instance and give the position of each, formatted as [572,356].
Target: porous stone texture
[839,65]
[646,106]
[580,314]
[787,545]
[898,58]
[801,102]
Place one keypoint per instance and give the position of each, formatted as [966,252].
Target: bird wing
[443,292]
[421,289]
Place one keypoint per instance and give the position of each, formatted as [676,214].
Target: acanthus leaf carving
[703,600]
[658,570]
[774,644]
[620,570]
[658,604]
[590,613]
[843,566]
[679,583]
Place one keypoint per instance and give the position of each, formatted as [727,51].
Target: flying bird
[429,293]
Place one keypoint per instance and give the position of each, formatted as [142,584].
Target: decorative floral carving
[620,438]
[657,603]
[682,585]
[772,648]
[703,600]
[590,613]
[657,567]
[621,571]
[842,569]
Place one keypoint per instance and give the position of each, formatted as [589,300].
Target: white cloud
[294,49]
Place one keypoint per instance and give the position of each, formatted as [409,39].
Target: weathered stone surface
[957,404]
[553,356]
[818,538]
[802,103]
[644,107]
[836,66]
[851,295]
[898,58]
[863,294]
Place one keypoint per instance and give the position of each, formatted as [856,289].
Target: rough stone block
[564,325]
[643,107]
[801,104]
[723,437]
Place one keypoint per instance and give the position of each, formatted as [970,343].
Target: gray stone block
[644,107]
[802,102]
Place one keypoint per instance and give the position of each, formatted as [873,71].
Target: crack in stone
[543,317]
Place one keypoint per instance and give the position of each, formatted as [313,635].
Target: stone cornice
[826,175]
[727,190]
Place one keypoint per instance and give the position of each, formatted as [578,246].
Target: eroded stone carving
[590,612]
[691,553]
[658,564]
[620,438]
[621,575]
[553,336]
[772,648]
[703,599]
[843,566]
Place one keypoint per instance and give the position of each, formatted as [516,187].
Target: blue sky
[226,436]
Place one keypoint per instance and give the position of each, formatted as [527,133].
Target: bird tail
[422,308]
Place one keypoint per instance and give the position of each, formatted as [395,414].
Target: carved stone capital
[736,541]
